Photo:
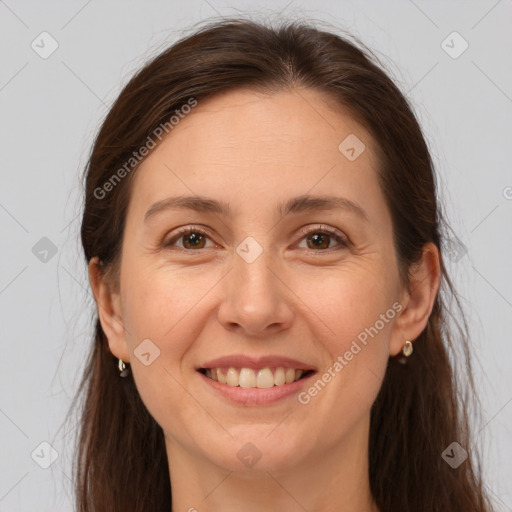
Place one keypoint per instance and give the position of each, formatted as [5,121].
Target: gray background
[51,109]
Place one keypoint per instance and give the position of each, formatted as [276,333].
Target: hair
[121,462]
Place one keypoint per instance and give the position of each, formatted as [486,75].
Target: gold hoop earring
[123,371]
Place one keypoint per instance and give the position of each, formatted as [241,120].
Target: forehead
[251,147]
[280,123]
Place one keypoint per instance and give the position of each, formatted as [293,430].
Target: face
[314,287]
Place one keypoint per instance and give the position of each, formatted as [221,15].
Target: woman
[264,247]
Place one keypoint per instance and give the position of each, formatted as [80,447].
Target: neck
[335,480]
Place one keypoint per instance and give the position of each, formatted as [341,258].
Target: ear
[108,303]
[418,300]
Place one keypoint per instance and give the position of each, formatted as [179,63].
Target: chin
[258,451]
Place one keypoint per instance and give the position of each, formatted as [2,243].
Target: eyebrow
[304,203]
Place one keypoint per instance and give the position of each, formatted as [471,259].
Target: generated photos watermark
[137,156]
[341,361]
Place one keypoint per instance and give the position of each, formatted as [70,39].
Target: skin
[253,151]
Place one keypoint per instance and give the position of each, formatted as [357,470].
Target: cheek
[359,311]
[157,308]
[161,310]
[349,303]
[158,305]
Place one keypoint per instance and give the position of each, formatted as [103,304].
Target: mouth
[260,378]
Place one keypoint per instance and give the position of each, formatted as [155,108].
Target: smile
[262,378]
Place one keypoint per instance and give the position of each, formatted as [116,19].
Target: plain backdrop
[51,108]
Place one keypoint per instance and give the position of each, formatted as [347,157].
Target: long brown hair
[121,462]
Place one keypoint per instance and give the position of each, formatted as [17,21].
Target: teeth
[221,377]
[279,377]
[265,379]
[249,378]
[232,377]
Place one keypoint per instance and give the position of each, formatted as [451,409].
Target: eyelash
[343,243]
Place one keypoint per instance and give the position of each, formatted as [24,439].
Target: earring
[407,348]
[123,371]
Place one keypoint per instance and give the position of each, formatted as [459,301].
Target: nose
[257,300]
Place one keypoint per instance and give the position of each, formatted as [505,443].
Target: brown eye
[191,238]
[194,239]
[319,240]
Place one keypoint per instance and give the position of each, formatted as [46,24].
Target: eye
[321,237]
[192,237]
[317,239]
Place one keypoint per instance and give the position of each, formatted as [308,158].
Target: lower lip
[256,396]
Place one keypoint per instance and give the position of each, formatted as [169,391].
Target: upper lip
[241,361]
